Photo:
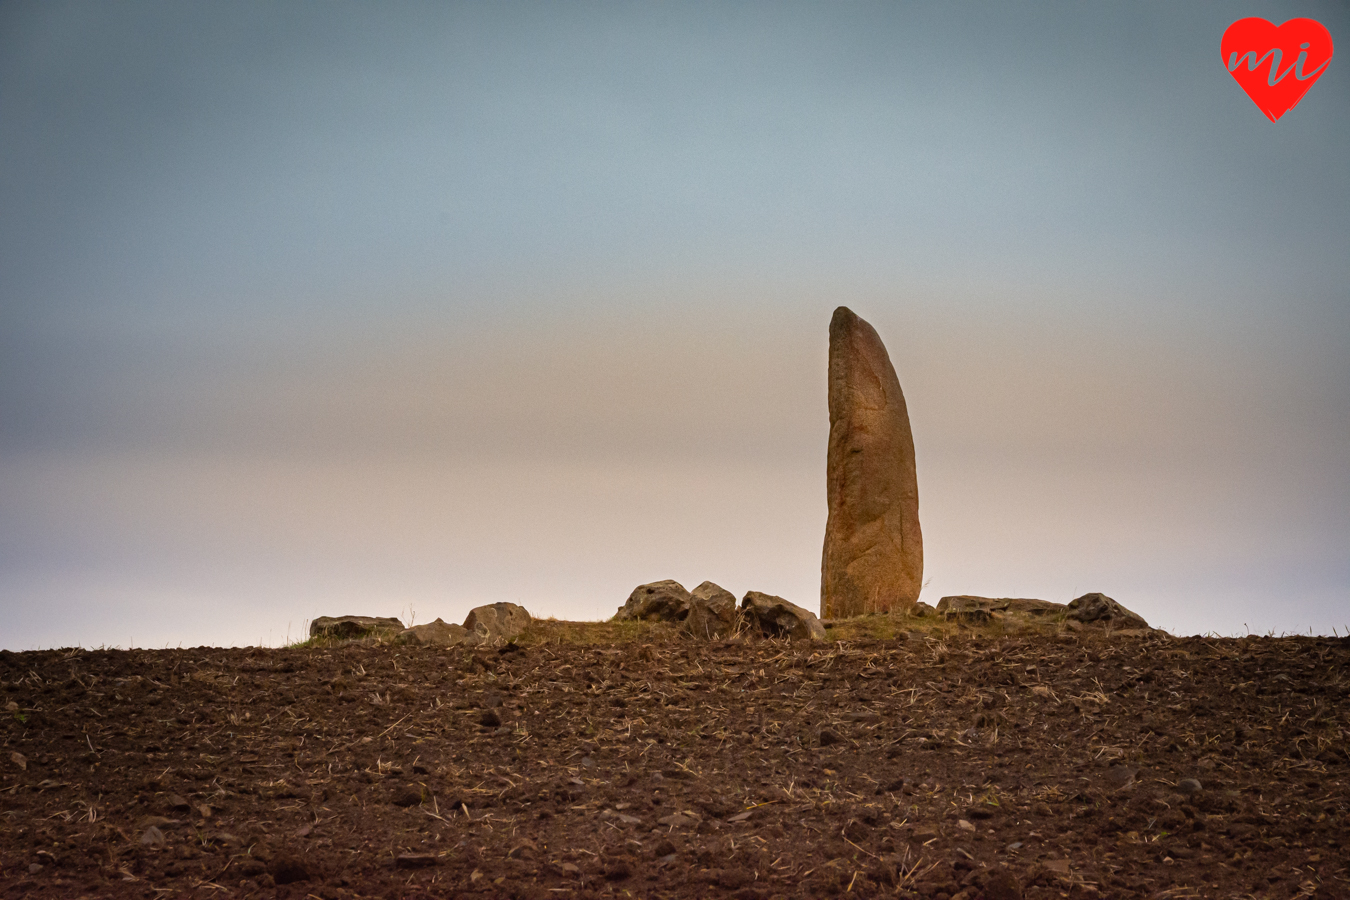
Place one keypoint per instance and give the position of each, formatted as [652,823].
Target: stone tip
[843,316]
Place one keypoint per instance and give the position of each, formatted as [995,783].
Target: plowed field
[1040,766]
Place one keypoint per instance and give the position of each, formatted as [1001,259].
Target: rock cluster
[873,556]
[489,624]
[1089,609]
[710,612]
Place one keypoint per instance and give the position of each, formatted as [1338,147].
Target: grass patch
[558,632]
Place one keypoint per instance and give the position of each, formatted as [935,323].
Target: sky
[402,308]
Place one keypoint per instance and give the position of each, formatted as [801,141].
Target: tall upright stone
[873,560]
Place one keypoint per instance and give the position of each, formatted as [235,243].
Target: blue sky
[308,310]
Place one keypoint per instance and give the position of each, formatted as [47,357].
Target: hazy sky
[311,309]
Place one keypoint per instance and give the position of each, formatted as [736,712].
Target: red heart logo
[1276,66]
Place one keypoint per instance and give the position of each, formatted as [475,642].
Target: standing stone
[873,560]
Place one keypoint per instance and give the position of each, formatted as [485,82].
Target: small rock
[19,759]
[34,868]
[712,612]
[496,623]
[775,617]
[353,627]
[1099,609]
[152,837]
[660,601]
[964,825]
[678,820]
[178,804]
[1190,786]
[433,634]
[978,610]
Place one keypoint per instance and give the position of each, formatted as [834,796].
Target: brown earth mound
[1033,766]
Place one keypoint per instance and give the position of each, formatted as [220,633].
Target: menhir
[873,560]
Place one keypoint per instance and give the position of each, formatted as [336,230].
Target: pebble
[965,825]
[1190,786]
[152,836]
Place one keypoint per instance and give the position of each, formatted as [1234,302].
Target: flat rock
[352,627]
[660,601]
[975,610]
[712,612]
[775,617]
[1099,609]
[433,634]
[873,556]
[495,622]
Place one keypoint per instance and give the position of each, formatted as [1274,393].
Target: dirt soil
[1041,766]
